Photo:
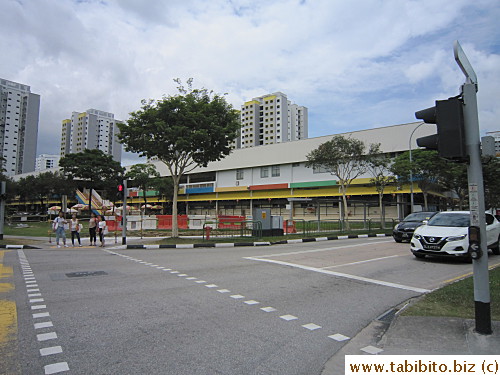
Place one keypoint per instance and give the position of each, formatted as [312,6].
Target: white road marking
[38,307]
[174,272]
[33,290]
[56,368]
[317,250]
[200,281]
[339,337]
[223,291]
[288,317]
[211,286]
[363,261]
[35,300]
[51,350]
[46,336]
[371,350]
[35,295]
[41,315]
[191,278]
[237,296]
[268,309]
[43,325]
[182,275]
[344,275]
[311,326]
[251,302]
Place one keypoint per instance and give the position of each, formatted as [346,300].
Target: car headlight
[396,227]
[456,238]
[417,236]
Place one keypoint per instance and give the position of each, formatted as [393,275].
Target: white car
[446,234]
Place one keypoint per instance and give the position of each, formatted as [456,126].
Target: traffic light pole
[124,214]
[477,208]
[3,185]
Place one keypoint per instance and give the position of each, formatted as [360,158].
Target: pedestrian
[75,226]
[59,224]
[93,229]
[103,229]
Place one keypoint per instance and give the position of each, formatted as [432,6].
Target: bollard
[207,232]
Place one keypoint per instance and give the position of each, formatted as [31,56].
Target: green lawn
[457,299]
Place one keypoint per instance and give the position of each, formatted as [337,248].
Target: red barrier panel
[230,222]
[165,221]
[289,226]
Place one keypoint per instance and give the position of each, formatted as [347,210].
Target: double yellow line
[8,316]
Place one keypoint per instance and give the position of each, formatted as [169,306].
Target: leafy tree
[143,175]
[454,179]
[345,158]
[426,169]
[92,167]
[491,177]
[165,188]
[184,131]
[379,167]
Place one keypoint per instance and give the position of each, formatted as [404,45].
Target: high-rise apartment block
[92,129]
[272,119]
[19,110]
[44,162]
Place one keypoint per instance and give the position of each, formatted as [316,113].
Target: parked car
[446,234]
[404,230]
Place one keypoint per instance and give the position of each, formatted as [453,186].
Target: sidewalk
[417,335]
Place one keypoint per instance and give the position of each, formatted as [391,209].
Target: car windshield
[418,216]
[450,220]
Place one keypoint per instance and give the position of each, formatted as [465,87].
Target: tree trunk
[345,213]
[381,207]
[90,200]
[425,201]
[175,226]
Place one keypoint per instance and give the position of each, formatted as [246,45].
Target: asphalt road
[251,310]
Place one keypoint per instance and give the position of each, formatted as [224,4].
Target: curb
[18,247]
[241,244]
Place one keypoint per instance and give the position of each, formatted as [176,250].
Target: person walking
[74,226]
[103,229]
[59,227]
[93,229]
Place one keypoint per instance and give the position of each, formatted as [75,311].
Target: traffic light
[449,119]
[120,188]
[475,243]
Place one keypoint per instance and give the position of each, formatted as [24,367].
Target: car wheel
[419,256]
[397,240]
[496,248]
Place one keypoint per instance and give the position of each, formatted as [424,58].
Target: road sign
[463,62]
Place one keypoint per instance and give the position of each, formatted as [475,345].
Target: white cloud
[355,64]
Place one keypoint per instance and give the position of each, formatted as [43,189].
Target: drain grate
[86,273]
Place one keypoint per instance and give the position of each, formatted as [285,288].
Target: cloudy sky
[355,64]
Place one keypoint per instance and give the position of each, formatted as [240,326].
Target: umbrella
[55,208]
[120,208]
[157,207]
[146,206]
[80,206]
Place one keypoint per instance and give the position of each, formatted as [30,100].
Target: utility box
[271,225]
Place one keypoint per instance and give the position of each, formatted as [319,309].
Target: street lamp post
[411,173]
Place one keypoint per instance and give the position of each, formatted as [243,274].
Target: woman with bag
[75,226]
[103,229]
[93,229]
[59,227]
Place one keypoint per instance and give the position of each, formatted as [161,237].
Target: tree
[454,179]
[491,176]
[165,188]
[426,169]
[143,175]
[184,131]
[93,167]
[344,158]
[379,167]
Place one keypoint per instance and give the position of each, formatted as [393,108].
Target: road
[284,309]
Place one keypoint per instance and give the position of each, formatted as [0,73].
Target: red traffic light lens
[120,188]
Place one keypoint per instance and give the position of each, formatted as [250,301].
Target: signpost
[476,191]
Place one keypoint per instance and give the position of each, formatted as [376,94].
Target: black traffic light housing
[120,188]
[449,119]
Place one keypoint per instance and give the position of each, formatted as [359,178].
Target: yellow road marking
[468,274]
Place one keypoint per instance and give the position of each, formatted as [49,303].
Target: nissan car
[403,231]
[446,234]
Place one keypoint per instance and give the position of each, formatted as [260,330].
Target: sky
[355,64]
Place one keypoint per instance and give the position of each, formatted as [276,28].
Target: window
[275,171]
[264,172]
[296,165]
[321,169]
[239,174]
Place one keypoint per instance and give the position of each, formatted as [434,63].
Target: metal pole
[124,213]
[2,207]
[411,172]
[477,208]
